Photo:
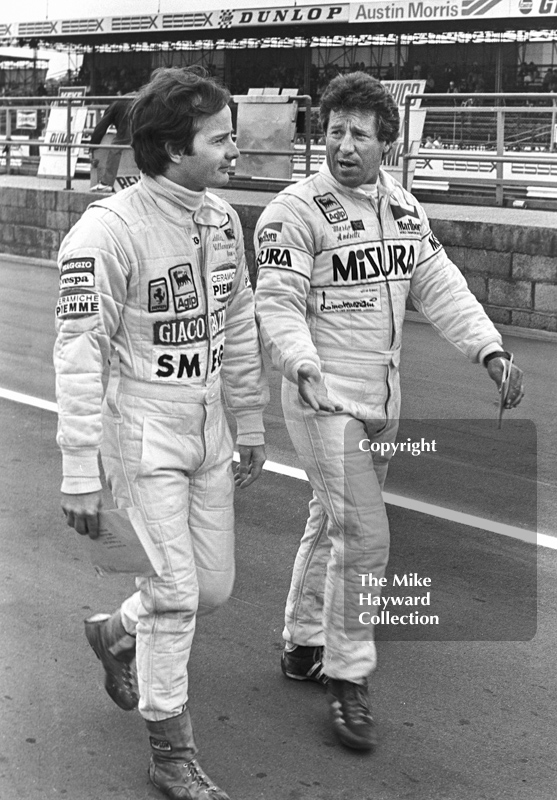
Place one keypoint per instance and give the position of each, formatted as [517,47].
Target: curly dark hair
[358,91]
[167,110]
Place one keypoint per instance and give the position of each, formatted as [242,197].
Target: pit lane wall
[508,256]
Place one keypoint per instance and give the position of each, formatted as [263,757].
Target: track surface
[458,719]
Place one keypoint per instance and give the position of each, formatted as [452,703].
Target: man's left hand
[516,390]
[252,458]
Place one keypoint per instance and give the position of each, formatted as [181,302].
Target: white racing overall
[156,283]
[335,269]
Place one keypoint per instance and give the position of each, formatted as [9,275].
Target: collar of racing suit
[385,183]
[173,199]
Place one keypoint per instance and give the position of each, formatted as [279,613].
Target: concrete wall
[510,264]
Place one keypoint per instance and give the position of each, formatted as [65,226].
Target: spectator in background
[452,89]
[437,142]
[117,114]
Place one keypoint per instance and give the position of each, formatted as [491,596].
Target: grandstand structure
[467,54]
[470,45]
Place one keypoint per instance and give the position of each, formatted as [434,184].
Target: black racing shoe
[111,645]
[351,714]
[303,664]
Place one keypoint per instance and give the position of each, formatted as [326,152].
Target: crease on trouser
[325,570]
[190,520]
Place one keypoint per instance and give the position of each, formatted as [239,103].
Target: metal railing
[500,157]
[11,105]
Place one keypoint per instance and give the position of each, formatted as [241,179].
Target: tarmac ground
[469,717]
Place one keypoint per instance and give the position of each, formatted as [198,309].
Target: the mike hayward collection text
[385,617]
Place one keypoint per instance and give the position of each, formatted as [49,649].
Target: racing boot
[302,663]
[115,648]
[351,714]
[173,768]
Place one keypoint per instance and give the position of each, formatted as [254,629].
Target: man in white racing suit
[338,255]
[154,281]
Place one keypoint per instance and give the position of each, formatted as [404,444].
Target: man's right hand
[82,512]
[313,391]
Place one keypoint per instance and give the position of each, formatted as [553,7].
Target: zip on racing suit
[154,280]
[335,267]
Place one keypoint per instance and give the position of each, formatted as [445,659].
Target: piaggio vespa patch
[331,208]
[158,295]
[77,273]
[183,287]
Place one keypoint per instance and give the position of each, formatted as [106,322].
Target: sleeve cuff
[250,439]
[249,423]
[81,473]
[494,347]
[294,365]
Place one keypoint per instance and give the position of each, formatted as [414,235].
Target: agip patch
[331,207]
[184,290]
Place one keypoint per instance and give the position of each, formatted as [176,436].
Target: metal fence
[10,141]
[503,149]
[495,156]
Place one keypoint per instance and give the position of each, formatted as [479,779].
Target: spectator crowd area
[456,67]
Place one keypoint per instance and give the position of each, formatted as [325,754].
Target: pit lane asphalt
[457,719]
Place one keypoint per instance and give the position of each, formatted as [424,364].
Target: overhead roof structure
[370,18]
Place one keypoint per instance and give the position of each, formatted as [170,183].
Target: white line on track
[27,400]
[541,539]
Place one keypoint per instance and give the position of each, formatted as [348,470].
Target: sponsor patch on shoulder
[357,224]
[331,207]
[270,233]
[434,242]
[77,273]
[274,257]
[78,305]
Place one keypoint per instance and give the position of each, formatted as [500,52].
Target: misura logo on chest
[366,263]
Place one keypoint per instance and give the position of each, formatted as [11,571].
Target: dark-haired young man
[339,252]
[154,281]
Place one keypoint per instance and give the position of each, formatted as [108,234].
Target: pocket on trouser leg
[161,482]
